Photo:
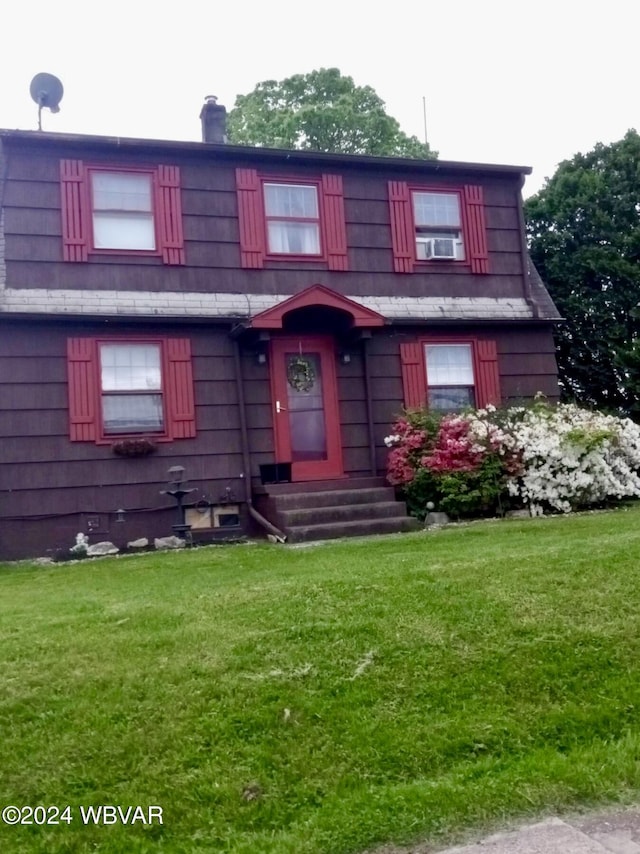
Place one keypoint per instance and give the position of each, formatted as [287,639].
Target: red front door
[305,406]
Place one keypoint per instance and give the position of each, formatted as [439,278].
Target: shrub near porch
[484,461]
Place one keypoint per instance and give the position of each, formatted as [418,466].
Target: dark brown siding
[526,365]
[44,474]
[211,230]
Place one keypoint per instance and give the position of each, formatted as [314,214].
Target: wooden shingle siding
[55,475]
[212,238]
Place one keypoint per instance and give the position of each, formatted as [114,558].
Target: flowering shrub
[542,457]
[574,458]
[459,462]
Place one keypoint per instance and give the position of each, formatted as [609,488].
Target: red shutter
[73,199]
[476,230]
[334,222]
[83,393]
[169,211]
[488,378]
[403,236]
[251,218]
[179,390]
[413,374]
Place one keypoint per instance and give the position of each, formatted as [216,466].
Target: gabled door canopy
[317,295]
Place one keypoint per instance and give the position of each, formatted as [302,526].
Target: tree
[584,232]
[320,111]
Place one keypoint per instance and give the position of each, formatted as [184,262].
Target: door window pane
[307,426]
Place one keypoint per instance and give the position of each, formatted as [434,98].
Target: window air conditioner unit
[437,248]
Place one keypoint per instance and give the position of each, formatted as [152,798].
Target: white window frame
[123,223]
[144,381]
[439,383]
[444,222]
[285,227]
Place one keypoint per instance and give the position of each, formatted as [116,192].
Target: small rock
[518,514]
[142,543]
[172,542]
[104,548]
[252,792]
[436,520]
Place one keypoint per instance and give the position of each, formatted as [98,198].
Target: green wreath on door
[301,374]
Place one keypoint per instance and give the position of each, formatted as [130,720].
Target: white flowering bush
[541,457]
[572,457]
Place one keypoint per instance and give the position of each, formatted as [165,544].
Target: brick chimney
[214,121]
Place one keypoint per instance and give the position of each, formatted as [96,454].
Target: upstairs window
[292,218]
[450,377]
[122,207]
[131,388]
[432,225]
[438,224]
[126,211]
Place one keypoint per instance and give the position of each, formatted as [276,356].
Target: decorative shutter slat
[476,229]
[169,210]
[334,222]
[251,221]
[83,396]
[488,379]
[72,197]
[179,387]
[413,374]
[402,233]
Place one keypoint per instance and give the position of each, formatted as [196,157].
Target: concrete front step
[358,528]
[332,498]
[339,513]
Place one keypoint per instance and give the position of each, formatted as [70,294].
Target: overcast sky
[504,81]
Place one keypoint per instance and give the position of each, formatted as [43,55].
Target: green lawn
[324,699]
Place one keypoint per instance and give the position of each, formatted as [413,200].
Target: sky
[504,81]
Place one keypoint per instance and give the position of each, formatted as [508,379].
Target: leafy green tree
[320,111]
[584,232]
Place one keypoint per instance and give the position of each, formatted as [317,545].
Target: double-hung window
[120,387]
[131,388]
[122,210]
[438,224]
[436,228]
[133,210]
[292,217]
[450,376]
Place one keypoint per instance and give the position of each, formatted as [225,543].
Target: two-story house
[251,315]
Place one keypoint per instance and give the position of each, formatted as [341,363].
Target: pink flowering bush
[540,457]
[458,462]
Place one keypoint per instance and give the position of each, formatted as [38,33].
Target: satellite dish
[46,90]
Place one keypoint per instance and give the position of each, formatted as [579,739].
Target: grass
[325,700]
